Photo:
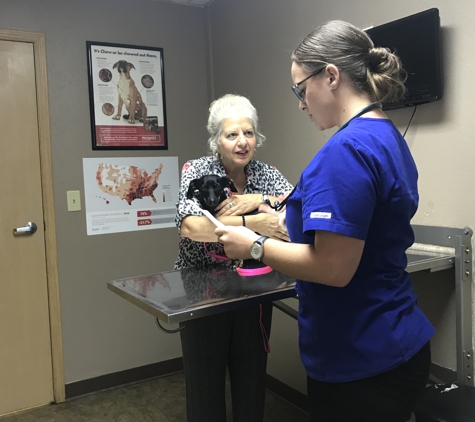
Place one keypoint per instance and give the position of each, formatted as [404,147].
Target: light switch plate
[74,200]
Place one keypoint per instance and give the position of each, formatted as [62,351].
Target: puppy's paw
[234,263]
[116,117]
[131,121]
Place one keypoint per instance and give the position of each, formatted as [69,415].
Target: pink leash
[246,271]
[253,271]
[265,337]
[213,255]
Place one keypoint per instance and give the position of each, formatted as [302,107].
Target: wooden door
[26,362]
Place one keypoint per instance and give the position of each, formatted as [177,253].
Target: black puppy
[210,190]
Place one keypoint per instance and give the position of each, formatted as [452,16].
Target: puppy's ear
[194,185]
[115,65]
[130,66]
[226,182]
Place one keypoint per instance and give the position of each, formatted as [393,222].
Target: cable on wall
[410,120]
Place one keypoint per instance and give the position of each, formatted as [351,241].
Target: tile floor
[159,400]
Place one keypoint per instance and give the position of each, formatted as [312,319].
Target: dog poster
[124,194]
[127,96]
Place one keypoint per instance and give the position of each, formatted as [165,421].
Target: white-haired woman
[233,340]
[363,339]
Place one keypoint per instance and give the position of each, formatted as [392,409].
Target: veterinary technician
[363,339]
[236,339]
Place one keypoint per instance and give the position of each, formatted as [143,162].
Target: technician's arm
[200,229]
[331,260]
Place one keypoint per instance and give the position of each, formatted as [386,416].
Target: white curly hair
[230,106]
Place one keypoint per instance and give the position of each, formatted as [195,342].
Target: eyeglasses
[301,93]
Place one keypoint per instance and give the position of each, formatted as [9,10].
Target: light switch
[74,200]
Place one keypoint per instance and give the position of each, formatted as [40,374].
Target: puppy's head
[123,66]
[210,190]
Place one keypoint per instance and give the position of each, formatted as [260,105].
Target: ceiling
[195,3]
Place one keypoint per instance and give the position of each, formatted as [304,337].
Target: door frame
[44,136]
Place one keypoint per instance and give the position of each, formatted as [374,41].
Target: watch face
[256,251]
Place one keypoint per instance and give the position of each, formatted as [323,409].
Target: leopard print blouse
[261,178]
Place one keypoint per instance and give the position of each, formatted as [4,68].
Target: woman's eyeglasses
[301,93]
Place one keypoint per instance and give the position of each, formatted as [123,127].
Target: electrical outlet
[74,200]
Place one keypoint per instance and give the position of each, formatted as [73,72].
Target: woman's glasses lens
[301,94]
[298,93]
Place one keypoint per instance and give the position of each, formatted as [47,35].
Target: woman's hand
[239,204]
[268,224]
[236,240]
[281,215]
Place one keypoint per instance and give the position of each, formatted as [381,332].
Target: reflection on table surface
[193,287]
[176,296]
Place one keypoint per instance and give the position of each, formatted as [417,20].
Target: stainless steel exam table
[180,295]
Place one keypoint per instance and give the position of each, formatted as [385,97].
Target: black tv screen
[416,40]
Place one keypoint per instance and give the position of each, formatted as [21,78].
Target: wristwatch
[257,248]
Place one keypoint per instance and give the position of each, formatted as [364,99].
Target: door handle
[29,228]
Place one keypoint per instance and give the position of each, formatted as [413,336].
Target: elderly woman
[237,340]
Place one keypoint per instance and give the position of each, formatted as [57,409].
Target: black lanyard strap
[364,110]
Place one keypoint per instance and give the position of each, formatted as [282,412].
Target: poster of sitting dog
[127,96]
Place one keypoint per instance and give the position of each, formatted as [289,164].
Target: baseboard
[160,369]
[128,376]
[168,367]
[287,393]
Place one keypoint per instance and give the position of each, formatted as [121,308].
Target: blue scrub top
[362,184]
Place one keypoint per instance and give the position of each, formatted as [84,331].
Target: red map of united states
[127,182]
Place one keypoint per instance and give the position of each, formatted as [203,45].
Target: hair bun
[377,56]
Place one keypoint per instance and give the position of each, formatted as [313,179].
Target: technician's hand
[236,240]
[239,204]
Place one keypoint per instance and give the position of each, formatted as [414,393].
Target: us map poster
[130,194]
[127,97]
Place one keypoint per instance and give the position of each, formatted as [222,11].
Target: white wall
[252,41]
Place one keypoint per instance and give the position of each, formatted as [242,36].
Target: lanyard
[279,205]
[364,110]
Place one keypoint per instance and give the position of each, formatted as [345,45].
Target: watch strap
[261,240]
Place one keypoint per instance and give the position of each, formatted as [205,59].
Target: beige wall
[252,41]
[102,333]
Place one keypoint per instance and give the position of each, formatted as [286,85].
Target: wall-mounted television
[416,40]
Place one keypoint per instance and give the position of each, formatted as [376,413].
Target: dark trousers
[387,397]
[232,340]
